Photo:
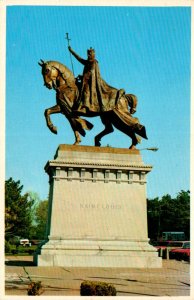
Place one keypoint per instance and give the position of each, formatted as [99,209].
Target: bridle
[52,78]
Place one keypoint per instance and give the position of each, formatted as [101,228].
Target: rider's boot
[132,147]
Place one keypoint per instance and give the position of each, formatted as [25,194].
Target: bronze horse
[58,77]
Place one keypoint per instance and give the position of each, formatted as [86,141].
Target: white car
[25,242]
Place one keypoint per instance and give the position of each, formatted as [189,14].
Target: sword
[68,39]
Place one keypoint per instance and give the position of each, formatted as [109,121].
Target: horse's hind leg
[77,138]
[75,129]
[134,141]
[108,129]
[120,125]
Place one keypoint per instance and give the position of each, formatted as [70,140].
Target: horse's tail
[132,101]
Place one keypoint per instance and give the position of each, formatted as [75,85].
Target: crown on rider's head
[91,50]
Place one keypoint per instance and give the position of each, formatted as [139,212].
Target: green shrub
[14,251]
[97,288]
[7,247]
[15,240]
[30,251]
[35,288]
[22,249]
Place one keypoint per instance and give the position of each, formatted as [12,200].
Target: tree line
[26,215]
[169,214]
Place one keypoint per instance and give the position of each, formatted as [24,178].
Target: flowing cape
[95,94]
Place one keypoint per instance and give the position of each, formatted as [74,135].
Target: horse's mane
[66,73]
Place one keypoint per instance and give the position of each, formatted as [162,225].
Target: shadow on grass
[19,263]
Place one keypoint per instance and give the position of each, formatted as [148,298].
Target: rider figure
[95,94]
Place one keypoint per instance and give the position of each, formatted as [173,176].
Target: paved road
[173,279]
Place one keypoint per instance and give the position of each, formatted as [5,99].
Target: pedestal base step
[98,254]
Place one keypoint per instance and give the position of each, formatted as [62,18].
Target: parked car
[163,246]
[182,253]
[186,255]
[35,242]
[25,242]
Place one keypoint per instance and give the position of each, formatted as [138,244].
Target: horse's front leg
[49,111]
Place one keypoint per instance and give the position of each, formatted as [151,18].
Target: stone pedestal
[97,209]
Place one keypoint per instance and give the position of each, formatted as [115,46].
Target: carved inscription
[100,206]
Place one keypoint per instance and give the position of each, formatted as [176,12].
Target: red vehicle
[164,245]
[182,253]
[186,255]
[161,245]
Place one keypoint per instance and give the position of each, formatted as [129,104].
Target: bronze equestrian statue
[89,95]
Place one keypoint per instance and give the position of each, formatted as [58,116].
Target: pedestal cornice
[98,157]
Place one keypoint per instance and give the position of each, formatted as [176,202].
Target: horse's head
[49,73]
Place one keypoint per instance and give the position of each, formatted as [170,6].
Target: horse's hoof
[53,129]
[76,143]
[132,147]
[97,143]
